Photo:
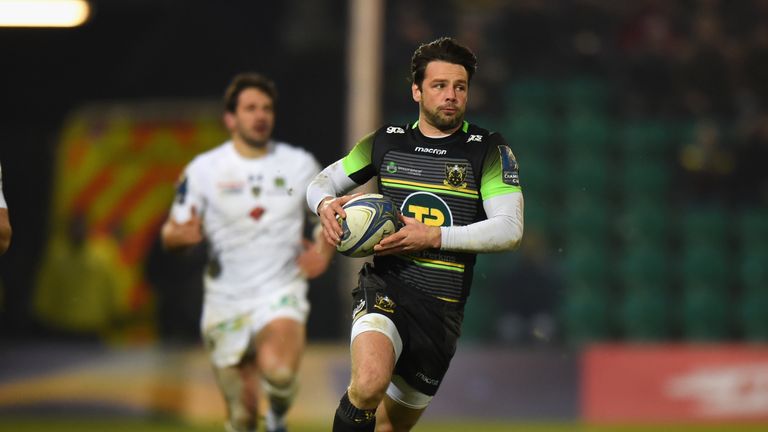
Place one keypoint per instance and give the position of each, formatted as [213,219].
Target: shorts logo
[426,379]
[395,129]
[384,303]
[392,167]
[288,300]
[455,175]
[359,309]
[427,208]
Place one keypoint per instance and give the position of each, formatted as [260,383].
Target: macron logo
[395,129]
[433,151]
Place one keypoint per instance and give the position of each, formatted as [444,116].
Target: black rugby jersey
[440,182]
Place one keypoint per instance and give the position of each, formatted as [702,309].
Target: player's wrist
[325,202]
[436,237]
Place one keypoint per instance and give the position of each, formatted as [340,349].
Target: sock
[274,421]
[280,400]
[349,418]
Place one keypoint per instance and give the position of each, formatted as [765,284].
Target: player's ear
[416,92]
[229,120]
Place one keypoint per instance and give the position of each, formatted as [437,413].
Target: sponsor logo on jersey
[476,138]
[433,151]
[395,129]
[392,167]
[455,175]
[231,187]
[257,213]
[427,208]
[280,182]
[256,190]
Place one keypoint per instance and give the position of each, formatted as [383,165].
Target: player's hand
[180,235]
[414,236]
[314,258]
[328,210]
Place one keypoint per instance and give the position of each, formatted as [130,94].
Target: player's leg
[228,341]
[394,417]
[402,407]
[373,359]
[280,345]
[239,386]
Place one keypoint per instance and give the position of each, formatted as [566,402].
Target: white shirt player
[2,198]
[253,217]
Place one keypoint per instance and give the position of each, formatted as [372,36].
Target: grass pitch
[102,425]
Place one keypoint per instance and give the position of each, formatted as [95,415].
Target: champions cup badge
[455,175]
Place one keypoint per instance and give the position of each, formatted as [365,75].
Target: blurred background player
[245,198]
[5,224]
[459,191]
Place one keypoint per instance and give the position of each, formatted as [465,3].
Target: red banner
[662,383]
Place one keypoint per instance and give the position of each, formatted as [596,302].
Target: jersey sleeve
[358,164]
[189,194]
[500,170]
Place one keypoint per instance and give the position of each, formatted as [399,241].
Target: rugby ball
[370,218]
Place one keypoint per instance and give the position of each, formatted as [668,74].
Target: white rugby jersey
[253,217]
[2,198]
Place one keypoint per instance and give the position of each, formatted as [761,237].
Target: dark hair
[444,49]
[247,80]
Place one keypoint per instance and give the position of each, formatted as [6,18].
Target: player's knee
[366,392]
[279,377]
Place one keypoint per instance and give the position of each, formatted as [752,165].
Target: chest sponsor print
[427,208]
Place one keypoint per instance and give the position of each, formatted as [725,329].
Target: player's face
[443,95]
[254,117]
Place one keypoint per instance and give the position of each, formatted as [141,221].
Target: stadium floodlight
[43,13]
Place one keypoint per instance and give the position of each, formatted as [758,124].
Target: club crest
[455,174]
[384,303]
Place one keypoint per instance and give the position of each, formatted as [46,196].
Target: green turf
[71,425]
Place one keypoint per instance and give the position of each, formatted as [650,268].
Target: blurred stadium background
[639,297]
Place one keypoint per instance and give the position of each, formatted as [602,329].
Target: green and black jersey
[440,182]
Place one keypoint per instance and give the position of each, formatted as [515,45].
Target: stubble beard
[254,143]
[441,121]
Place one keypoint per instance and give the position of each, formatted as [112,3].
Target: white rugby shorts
[228,330]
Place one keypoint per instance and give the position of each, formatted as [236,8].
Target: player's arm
[502,231]
[326,192]
[317,254]
[181,235]
[184,227]
[5,223]
[503,204]
[5,230]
